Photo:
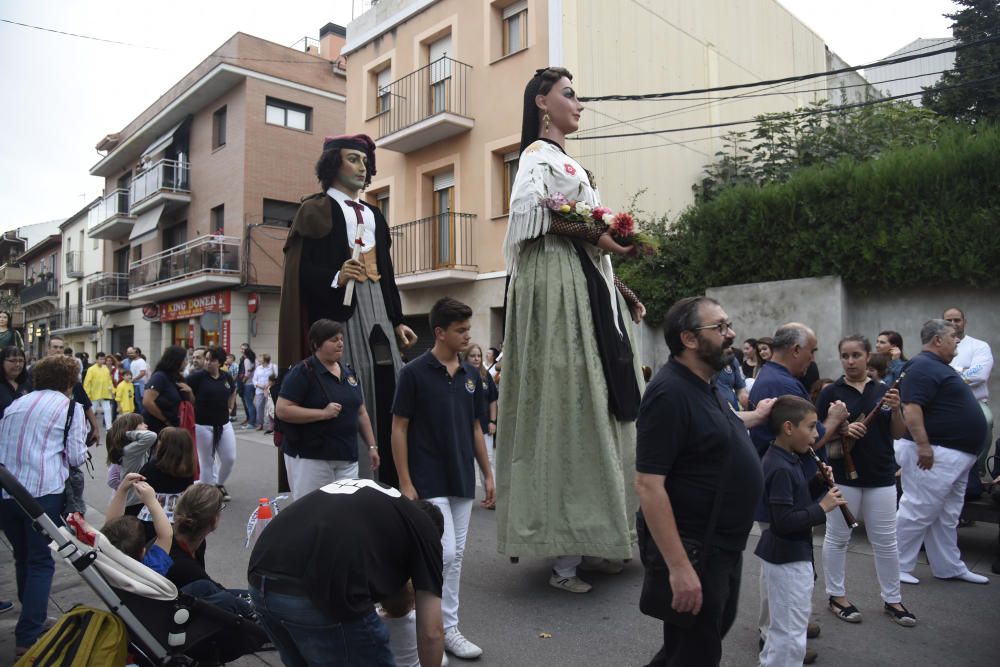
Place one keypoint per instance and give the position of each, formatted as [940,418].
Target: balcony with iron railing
[434,251]
[207,262]
[73,320]
[38,291]
[74,264]
[424,107]
[11,273]
[109,218]
[166,181]
[107,291]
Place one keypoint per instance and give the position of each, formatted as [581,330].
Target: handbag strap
[713,518]
[312,371]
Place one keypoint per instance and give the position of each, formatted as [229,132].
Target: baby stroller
[165,627]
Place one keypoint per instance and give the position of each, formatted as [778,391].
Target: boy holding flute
[786,546]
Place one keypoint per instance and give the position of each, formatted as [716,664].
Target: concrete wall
[758,309]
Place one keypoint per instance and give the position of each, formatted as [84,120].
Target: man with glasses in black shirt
[686,433]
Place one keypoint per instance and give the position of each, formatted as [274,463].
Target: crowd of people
[381,457]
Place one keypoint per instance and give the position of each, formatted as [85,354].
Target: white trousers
[789,587]
[877,508]
[491,453]
[763,617]
[104,405]
[457,512]
[307,475]
[929,509]
[215,472]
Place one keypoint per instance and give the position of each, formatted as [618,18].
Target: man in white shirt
[140,373]
[974,362]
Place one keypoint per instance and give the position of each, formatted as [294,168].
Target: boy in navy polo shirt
[436,436]
[786,545]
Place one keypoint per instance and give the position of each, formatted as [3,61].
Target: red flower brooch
[570,169]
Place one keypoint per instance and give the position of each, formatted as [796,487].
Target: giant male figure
[318,269]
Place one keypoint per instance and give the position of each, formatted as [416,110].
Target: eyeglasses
[721,327]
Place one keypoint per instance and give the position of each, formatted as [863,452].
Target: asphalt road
[519,620]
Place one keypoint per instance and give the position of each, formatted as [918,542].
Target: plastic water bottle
[258,521]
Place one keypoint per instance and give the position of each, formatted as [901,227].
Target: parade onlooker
[732,386]
[785,548]
[213,400]
[878,367]
[945,431]
[750,364]
[262,375]
[317,599]
[100,388]
[436,434]
[14,379]
[764,350]
[691,449]
[244,379]
[171,469]
[322,410]
[871,492]
[140,372]
[42,434]
[890,344]
[127,534]
[233,369]
[974,362]
[9,336]
[125,394]
[488,415]
[129,443]
[166,389]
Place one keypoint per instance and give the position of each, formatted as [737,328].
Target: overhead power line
[792,114]
[791,79]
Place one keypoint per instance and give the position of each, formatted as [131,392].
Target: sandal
[904,617]
[847,613]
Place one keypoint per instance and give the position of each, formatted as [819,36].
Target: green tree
[977,69]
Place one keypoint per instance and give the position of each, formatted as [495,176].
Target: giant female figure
[566,439]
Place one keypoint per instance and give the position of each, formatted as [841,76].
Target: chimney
[331,40]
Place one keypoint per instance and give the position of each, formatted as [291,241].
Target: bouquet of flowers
[621,226]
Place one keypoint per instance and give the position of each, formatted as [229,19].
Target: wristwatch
[370,447]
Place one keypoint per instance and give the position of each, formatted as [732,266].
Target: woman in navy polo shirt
[322,410]
[872,496]
[165,390]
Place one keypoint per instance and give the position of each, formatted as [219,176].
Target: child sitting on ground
[128,534]
[129,442]
[790,484]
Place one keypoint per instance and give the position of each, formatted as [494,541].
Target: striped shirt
[31,441]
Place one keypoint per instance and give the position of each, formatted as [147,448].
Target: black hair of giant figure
[540,84]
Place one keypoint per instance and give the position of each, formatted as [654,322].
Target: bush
[923,215]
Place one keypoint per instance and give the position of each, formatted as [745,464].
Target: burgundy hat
[359,142]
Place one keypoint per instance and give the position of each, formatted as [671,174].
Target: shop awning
[145,225]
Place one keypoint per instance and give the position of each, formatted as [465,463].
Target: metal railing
[435,88]
[441,241]
[75,318]
[163,176]
[205,255]
[40,289]
[107,287]
[114,204]
[74,264]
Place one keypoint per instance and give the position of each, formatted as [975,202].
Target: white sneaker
[460,647]
[569,584]
[907,578]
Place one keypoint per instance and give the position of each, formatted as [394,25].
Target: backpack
[82,637]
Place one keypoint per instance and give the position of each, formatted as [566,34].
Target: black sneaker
[225,494]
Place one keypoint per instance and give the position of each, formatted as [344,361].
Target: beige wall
[669,46]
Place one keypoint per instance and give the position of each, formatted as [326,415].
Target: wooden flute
[848,442]
[848,517]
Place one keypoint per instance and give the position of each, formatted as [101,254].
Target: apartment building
[199,191]
[80,256]
[39,297]
[439,85]
[12,276]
